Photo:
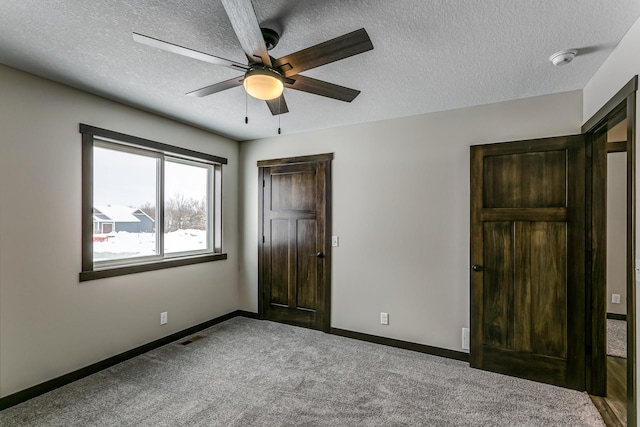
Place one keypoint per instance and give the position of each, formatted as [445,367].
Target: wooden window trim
[89,133]
[147,143]
[152,266]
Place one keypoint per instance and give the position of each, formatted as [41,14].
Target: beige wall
[401,209]
[617,70]
[51,324]
[617,231]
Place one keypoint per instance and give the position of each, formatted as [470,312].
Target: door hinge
[263,183]
[263,240]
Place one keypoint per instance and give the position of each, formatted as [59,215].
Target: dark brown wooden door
[294,256]
[528,259]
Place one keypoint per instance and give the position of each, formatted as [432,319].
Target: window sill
[140,268]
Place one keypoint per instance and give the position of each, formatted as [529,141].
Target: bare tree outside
[149,209]
[182,213]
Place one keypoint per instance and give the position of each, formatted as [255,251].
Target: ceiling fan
[265,77]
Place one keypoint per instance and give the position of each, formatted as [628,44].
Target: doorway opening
[611,370]
[616,283]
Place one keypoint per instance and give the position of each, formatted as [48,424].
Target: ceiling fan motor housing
[271,38]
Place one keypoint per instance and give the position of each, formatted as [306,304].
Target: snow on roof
[118,213]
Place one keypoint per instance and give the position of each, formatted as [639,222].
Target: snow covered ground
[125,245]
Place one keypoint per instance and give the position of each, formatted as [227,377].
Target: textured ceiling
[428,55]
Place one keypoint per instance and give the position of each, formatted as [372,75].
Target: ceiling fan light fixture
[263,83]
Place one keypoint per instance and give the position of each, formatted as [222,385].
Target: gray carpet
[255,373]
[617,338]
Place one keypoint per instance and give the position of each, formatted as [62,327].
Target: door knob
[317,255]
[476,267]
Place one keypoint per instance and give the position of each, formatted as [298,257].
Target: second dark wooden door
[294,256]
[528,259]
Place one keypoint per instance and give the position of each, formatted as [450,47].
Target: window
[147,205]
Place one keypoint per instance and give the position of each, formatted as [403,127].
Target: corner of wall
[621,65]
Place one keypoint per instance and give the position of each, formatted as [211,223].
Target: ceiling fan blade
[245,24]
[278,106]
[184,51]
[218,87]
[324,53]
[322,88]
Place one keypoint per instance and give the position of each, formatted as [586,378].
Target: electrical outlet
[465,338]
[384,318]
[163,318]
[335,241]
[615,298]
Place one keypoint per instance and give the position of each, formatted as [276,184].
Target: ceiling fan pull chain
[280,112]
[246,108]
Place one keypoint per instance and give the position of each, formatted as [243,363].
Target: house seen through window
[148,205]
